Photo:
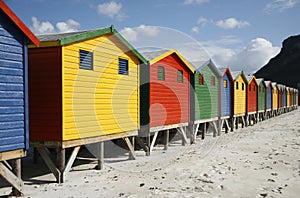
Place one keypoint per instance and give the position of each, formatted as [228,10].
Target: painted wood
[261,95]
[169,101]
[240,86]
[268,95]
[87,103]
[252,91]
[207,93]
[13,81]
[274,96]
[227,93]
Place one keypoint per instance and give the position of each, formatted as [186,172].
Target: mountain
[285,67]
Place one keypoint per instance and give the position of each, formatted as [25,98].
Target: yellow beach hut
[274,99]
[84,88]
[239,92]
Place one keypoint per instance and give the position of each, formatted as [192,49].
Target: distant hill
[285,67]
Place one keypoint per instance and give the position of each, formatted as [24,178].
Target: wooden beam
[16,169]
[70,163]
[153,141]
[61,162]
[203,132]
[131,149]
[9,176]
[215,132]
[49,163]
[166,139]
[15,154]
[100,156]
[184,137]
[142,144]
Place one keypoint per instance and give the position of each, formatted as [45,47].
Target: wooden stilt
[16,169]
[61,161]
[226,126]
[203,132]
[49,163]
[100,156]
[166,139]
[144,147]
[153,141]
[132,155]
[215,131]
[35,156]
[184,137]
[70,163]
[13,179]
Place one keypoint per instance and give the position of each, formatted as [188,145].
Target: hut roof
[155,56]
[72,37]
[199,65]
[261,81]
[17,21]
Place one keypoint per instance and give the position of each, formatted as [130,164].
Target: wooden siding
[261,97]
[13,86]
[269,97]
[274,97]
[284,96]
[239,96]
[45,94]
[169,99]
[100,101]
[288,96]
[226,98]
[279,96]
[206,95]
[252,96]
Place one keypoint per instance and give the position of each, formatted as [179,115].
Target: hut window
[201,79]
[225,83]
[237,85]
[243,86]
[212,80]
[123,66]
[161,73]
[86,60]
[180,76]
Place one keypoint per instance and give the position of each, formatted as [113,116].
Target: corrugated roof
[58,36]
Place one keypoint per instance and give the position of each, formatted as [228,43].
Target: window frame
[163,73]
[213,81]
[84,63]
[180,76]
[225,83]
[201,79]
[127,66]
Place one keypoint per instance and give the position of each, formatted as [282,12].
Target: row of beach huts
[64,91]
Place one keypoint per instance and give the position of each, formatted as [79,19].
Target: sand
[257,161]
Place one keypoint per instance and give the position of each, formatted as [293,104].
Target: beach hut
[14,131]
[252,102]
[207,95]
[284,103]
[165,96]
[297,98]
[84,89]
[240,100]
[280,99]
[288,99]
[274,99]
[261,99]
[294,99]
[226,97]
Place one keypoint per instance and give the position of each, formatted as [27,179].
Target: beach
[262,160]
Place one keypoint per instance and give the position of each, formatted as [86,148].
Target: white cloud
[112,10]
[133,34]
[46,27]
[280,5]
[202,21]
[69,26]
[231,23]
[195,1]
[41,27]
[255,55]
[195,29]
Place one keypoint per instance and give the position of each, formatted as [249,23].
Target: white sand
[257,161]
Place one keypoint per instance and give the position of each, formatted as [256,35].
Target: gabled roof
[274,84]
[268,83]
[261,81]
[237,74]
[15,19]
[201,64]
[155,56]
[72,37]
[250,78]
[225,71]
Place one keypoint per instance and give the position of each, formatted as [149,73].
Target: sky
[239,34]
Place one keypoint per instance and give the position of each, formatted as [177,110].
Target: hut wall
[261,97]
[239,96]
[252,97]
[226,98]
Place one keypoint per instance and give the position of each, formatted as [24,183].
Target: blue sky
[240,34]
